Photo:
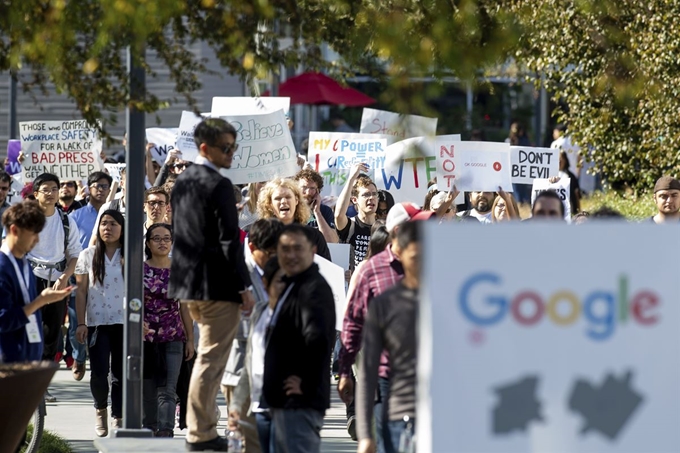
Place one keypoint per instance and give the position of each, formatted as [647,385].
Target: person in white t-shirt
[482,203]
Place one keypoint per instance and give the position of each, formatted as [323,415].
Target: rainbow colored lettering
[483,303]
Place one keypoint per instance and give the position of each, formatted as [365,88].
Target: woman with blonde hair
[282,199]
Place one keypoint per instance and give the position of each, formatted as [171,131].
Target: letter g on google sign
[484,303]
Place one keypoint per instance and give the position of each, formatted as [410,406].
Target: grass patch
[51,443]
[631,206]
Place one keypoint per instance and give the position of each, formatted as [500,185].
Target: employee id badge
[32,330]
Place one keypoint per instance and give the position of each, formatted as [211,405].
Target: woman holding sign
[282,199]
[504,208]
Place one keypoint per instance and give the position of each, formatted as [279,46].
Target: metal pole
[134,257]
[12,130]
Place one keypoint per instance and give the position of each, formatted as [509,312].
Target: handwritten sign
[165,140]
[68,149]
[562,187]
[479,166]
[400,126]
[13,150]
[17,185]
[236,105]
[185,135]
[114,171]
[332,155]
[533,163]
[265,151]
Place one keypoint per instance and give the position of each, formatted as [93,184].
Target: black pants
[52,319]
[107,348]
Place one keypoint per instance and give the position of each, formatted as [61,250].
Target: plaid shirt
[375,276]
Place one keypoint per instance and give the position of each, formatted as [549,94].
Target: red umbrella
[314,88]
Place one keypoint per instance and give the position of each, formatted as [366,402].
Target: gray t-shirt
[390,324]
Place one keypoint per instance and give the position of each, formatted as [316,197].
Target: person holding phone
[100,309]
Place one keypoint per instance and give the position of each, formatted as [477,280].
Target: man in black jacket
[301,335]
[208,272]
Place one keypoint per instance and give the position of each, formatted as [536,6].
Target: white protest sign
[335,277]
[551,356]
[265,151]
[235,105]
[332,155]
[479,166]
[409,165]
[114,171]
[340,254]
[533,163]
[562,187]
[164,138]
[68,149]
[14,193]
[400,126]
[185,135]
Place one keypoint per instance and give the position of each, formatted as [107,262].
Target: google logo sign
[483,302]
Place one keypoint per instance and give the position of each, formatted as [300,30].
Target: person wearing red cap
[667,199]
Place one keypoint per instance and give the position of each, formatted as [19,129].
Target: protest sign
[533,163]
[114,171]
[236,105]
[68,149]
[165,139]
[553,355]
[265,150]
[13,150]
[409,165]
[332,155]
[16,186]
[340,254]
[474,166]
[562,187]
[185,135]
[400,126]
[335,277]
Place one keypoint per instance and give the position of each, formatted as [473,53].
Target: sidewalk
[72,417]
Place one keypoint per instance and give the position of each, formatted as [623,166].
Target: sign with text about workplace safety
[399,126]
[474,166]
[533,163]
[265,148]
[553,355]
[68,149]
[332,155]
[409,165]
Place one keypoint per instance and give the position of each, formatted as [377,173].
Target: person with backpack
[53,259]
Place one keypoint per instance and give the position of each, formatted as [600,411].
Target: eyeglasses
[369,195]
[308,189]
[227,148]
[48,191]
[70,184]
[158,239]
[100,186]
[156,204]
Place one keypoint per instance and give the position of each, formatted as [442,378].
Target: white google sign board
[554,355]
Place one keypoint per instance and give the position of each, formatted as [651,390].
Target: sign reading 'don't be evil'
[332,155]
[533,163]
[68,149]
[550,356]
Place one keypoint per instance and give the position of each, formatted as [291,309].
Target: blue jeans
[380,411]
[160,402]
[77,349]
[395,428]
[265,431]
[297,430]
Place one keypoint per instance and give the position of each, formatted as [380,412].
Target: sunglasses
[182,165]
[70,184]
[228,148]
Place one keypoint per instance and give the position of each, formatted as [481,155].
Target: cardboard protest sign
[552,355]
[165,139]
[13,150]
[68,149]
[114,171]
[265,151]
[533,163]
[409,165]
[332,155]
[562,187]
[477,166]
[236,105]
[335,277]
[400,126]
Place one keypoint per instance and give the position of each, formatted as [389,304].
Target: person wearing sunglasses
[173,165]
[67,197]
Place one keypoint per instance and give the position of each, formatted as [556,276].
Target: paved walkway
[72,417]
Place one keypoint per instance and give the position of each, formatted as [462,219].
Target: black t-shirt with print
[358,240]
